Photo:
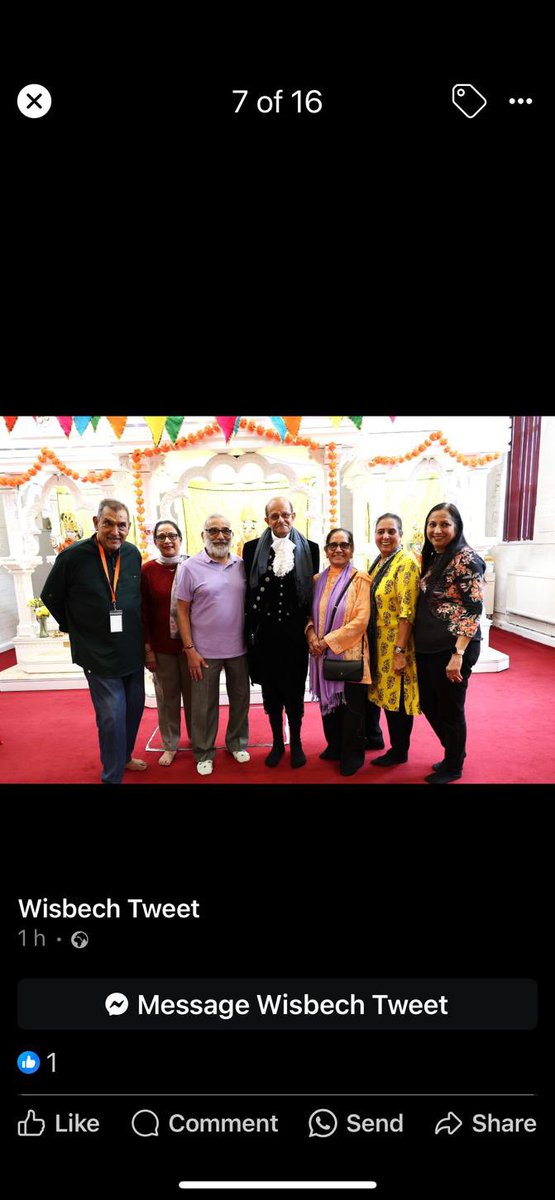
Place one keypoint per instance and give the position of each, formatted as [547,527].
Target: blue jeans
[118,704]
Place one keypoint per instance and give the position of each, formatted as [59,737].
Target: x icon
[34,100]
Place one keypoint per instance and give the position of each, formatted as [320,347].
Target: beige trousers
[171,682]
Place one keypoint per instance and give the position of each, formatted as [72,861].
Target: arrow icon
[449,1124]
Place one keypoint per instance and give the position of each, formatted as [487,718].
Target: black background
[296,884]
[387,248]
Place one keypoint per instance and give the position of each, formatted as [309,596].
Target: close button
[34,100]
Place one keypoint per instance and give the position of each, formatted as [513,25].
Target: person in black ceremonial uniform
[280,567]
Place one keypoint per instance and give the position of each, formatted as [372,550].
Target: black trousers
[442,702]
[344,727]
[399,724]
[283,664]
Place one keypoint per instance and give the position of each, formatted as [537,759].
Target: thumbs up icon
[28,1062]
[31,1126]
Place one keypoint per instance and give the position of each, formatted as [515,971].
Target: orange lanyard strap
[116,572]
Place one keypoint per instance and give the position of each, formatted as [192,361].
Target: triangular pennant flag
[236,426]
[10,422]
[156,426]
[173,425]
[95,421]
[391,418]
[81,423]
[227,425]
[336,421]
[356,421]
[118,424]
[66,423]
[293,425]
[280,426]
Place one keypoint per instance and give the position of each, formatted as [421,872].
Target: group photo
[276,600]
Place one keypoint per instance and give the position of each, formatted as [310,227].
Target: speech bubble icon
[322,1123]
[116,1004]
[145,1123]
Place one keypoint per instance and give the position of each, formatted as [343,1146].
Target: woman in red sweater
[163,648]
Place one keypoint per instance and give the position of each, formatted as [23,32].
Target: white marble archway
[237,463]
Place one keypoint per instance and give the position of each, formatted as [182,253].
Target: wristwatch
[400,649]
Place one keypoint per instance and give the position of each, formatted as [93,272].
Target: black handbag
[344,670]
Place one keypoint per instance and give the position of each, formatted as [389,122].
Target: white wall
[534,561]
[8,607]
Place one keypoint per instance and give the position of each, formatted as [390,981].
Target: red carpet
[50,737]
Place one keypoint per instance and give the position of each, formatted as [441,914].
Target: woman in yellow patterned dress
[395,590]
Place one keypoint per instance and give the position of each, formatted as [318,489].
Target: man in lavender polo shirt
[211,616]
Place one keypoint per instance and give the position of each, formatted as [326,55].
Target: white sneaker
[241,756]
[205,767]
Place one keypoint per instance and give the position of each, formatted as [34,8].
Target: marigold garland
[46,456]
[249,425]
[468,460]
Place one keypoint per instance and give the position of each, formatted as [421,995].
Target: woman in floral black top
[447,633]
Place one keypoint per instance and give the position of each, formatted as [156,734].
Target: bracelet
[191,647]
[400,650]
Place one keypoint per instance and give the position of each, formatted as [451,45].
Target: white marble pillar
[23,583]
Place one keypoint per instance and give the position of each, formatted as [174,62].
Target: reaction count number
[312,101]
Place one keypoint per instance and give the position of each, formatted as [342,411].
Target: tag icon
[468,99]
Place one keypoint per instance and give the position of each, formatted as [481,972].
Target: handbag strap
[336,606]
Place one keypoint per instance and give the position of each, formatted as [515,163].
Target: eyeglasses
[167,537]
[213,531]
[338,546]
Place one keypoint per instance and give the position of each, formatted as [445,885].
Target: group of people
[397,637]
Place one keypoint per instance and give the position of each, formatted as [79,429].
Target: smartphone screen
[281,984]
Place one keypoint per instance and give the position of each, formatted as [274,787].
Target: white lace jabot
[284,550]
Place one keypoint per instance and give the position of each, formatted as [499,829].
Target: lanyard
[116,572]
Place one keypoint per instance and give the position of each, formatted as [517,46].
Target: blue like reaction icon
[28,1062]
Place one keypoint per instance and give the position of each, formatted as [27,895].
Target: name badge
[116,621]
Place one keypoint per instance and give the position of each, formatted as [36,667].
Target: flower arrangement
[41,613]
[40,609]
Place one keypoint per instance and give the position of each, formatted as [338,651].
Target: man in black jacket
[280,567]
[94,593]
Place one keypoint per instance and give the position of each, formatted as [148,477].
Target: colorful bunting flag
[391,418]
[280,426]
[95,421]
[227,425]
[356,421]
[293,425]
[173,425]
[66,423]
[10,422]
[118,424]
[236,426]
[156,426]
[81,423]
[336,421]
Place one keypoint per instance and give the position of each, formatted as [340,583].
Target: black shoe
[374,744]
[275,756]
[346,770]
[329,753]
[439,765]
[298,756]
[443,776]
[390,759]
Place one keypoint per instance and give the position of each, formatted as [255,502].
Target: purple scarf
[329,693]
